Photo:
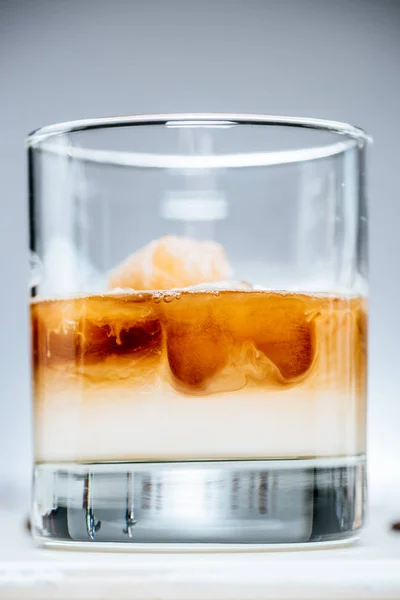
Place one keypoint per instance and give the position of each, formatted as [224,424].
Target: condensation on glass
[199,330]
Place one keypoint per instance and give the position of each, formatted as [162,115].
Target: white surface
[368,570]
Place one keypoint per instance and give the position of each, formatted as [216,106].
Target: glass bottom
[285,502]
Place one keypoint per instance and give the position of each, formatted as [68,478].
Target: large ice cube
[172,262]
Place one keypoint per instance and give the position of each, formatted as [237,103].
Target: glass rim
[355,136]
[190,119]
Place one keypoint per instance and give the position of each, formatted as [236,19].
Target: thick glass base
[217,502]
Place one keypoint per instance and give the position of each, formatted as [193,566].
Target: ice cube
[172,262]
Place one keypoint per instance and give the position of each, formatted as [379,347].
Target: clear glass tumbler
[199,325]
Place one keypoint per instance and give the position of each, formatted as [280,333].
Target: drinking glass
[199,323]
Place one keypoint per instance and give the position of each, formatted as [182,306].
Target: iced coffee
[177,361]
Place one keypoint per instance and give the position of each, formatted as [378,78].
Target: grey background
[62,60]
